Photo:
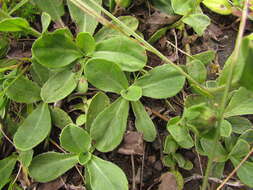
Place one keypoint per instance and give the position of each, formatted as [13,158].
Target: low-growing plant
[113,60]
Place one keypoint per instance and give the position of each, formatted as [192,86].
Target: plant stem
[226,91]
[128,31]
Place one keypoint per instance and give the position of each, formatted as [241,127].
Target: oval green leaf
[105,175]
[75,139]
[105,75]
[34,129]
[161,82]
[48,166]
[60,118]
[127,53]
[86,42]
[108,130]
[133,93]
[58,86]
[55,49]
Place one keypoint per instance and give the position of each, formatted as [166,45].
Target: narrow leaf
[84,22]
[55,8]
[143,123]
[98,103]
[108,32]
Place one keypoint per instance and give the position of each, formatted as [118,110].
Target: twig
[235,170]
[133,172]
[157,114]
[215,180]
[8,139]
[142,166]
[19,170]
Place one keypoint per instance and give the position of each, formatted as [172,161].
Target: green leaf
[22,90]
[143,123]
[98,103]
[205,57]
[197,70]
[107,124]
[180,134]
[15,24]
[198,22]
[25,157]
[60,118]
[105,175]
[34,129]
[55,49]
[217,169]
[82,86]
[45,21]
[58,86]
[220,152]
[4,47]
[127,53]
[40,73]
[86,42]
[246,78]
[183,7]
[241,103]
[54,8]
[6,167]
[49,166]
[155,83]
[84,158]
[245,172]
[247,136]
[170,145]
[124,3]
[226,129]
[108,32]
[75,139]
[221,7]
[239,124]
[133,93]
[240,149]
[111,77]
[84,22]
[244,54]
[81,120]
[164,6]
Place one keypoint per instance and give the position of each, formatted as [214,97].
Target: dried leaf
[132,144]
[168,182]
